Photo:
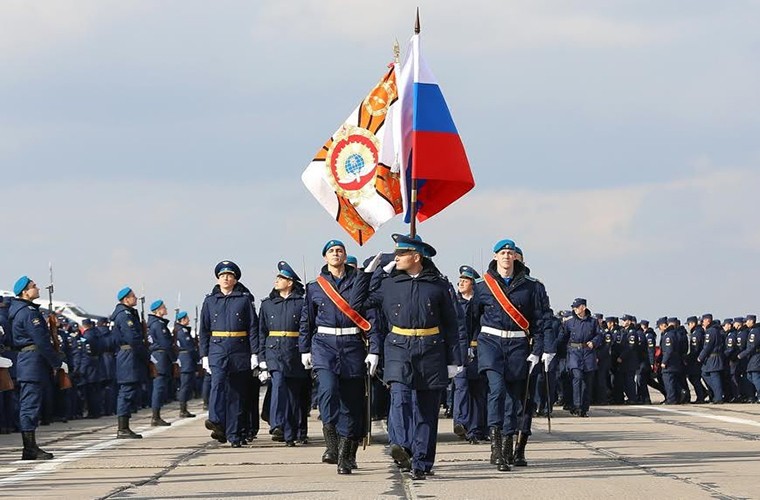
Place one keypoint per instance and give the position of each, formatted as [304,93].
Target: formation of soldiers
[385,340]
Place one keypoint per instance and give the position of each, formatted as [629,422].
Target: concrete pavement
[654,451]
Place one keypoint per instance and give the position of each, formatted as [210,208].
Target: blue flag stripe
[431,114]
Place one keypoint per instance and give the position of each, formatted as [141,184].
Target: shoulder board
[479,280]
[312,282]
[531,278]
[31,307]
[265,299]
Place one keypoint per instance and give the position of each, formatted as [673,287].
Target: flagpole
[413,201]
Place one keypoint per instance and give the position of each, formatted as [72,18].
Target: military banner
[355,175]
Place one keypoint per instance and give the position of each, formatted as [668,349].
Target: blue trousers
[186,385]
[754,378]
[127,400]
[93,395]
[160,391]
[9,409]
[582,389]
[671,381]
[470,405]
[413,423]
[225,405]
[110,395]
[30,404]
[505,401]
[285,407]
[341,403]
[714,381]
[546,401]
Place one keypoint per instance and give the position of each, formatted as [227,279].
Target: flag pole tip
[417,23]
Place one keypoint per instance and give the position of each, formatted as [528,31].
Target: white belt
[503,333]
[352,330]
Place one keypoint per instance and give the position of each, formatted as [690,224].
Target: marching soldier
[229,343]
[330,341]
[711,357]
[582,335]
[90,369]
[36,361]
[421,352]
[279,321]
[469,385]
[161,355]
[627,360]
[108,367]
[695,335]
[187,359]
[672,360]
[602,385]
[511,313]
[751,355]
[131,359]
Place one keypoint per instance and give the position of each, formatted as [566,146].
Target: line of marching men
[93,370]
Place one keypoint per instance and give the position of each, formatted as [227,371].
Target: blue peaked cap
[468,272]
[284,270]
[227,266]
[20,285]
[123,293]
[414,243]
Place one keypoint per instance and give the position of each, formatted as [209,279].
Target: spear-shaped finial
[417,23]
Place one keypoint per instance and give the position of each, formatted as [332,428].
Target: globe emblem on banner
[351,163]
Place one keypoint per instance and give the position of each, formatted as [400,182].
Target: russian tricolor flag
[431,150]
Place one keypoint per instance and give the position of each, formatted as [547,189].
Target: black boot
[124,431]
[508,448]
[507,453]
[183,413]
[157,421]
[344,456]
[330,456]
[352,457]
[217,431]
[31,451]
[494,433]
[520,451]
[401,457]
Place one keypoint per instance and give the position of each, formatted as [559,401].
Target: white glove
[153,359]
[453,370]
[547,358]
[470,353]
[254,361]
[263,365]
[5,362]
[373,264]
[372,360]
[306,360]
[179,362]
[264,376]
[65,367]
[390,266]
[533,360]
[205,365]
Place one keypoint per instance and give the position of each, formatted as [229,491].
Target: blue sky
[617,142]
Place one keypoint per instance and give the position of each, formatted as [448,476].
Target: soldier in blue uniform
[331,343]
[108,366]
[510,345]
[187,359]
[602,381]
[131,359]
[627,360]
[161,350]
[582,335]
[647,342]
[8,399]
[279,322]
[695,335]
[90,369]
[711,358]
[739,366]
[751,356]
[229,343]
[469,385]
[422,350]
[672,360]
[36,361]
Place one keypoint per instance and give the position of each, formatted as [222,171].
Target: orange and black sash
[504,302]
[342,305]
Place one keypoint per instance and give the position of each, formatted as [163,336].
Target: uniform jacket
[528,295]
[28,328]
[575,333]
[161,344]
[342,354]
[421,302]
[229,313]
[711,355]
[131,354]
[281,314]
[108,353]
[187,353]
[628,348]
[672,351]
[89,362]
[751,352]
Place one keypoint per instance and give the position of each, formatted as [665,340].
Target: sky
[142,142]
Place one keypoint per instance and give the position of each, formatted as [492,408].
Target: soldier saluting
[35,361]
